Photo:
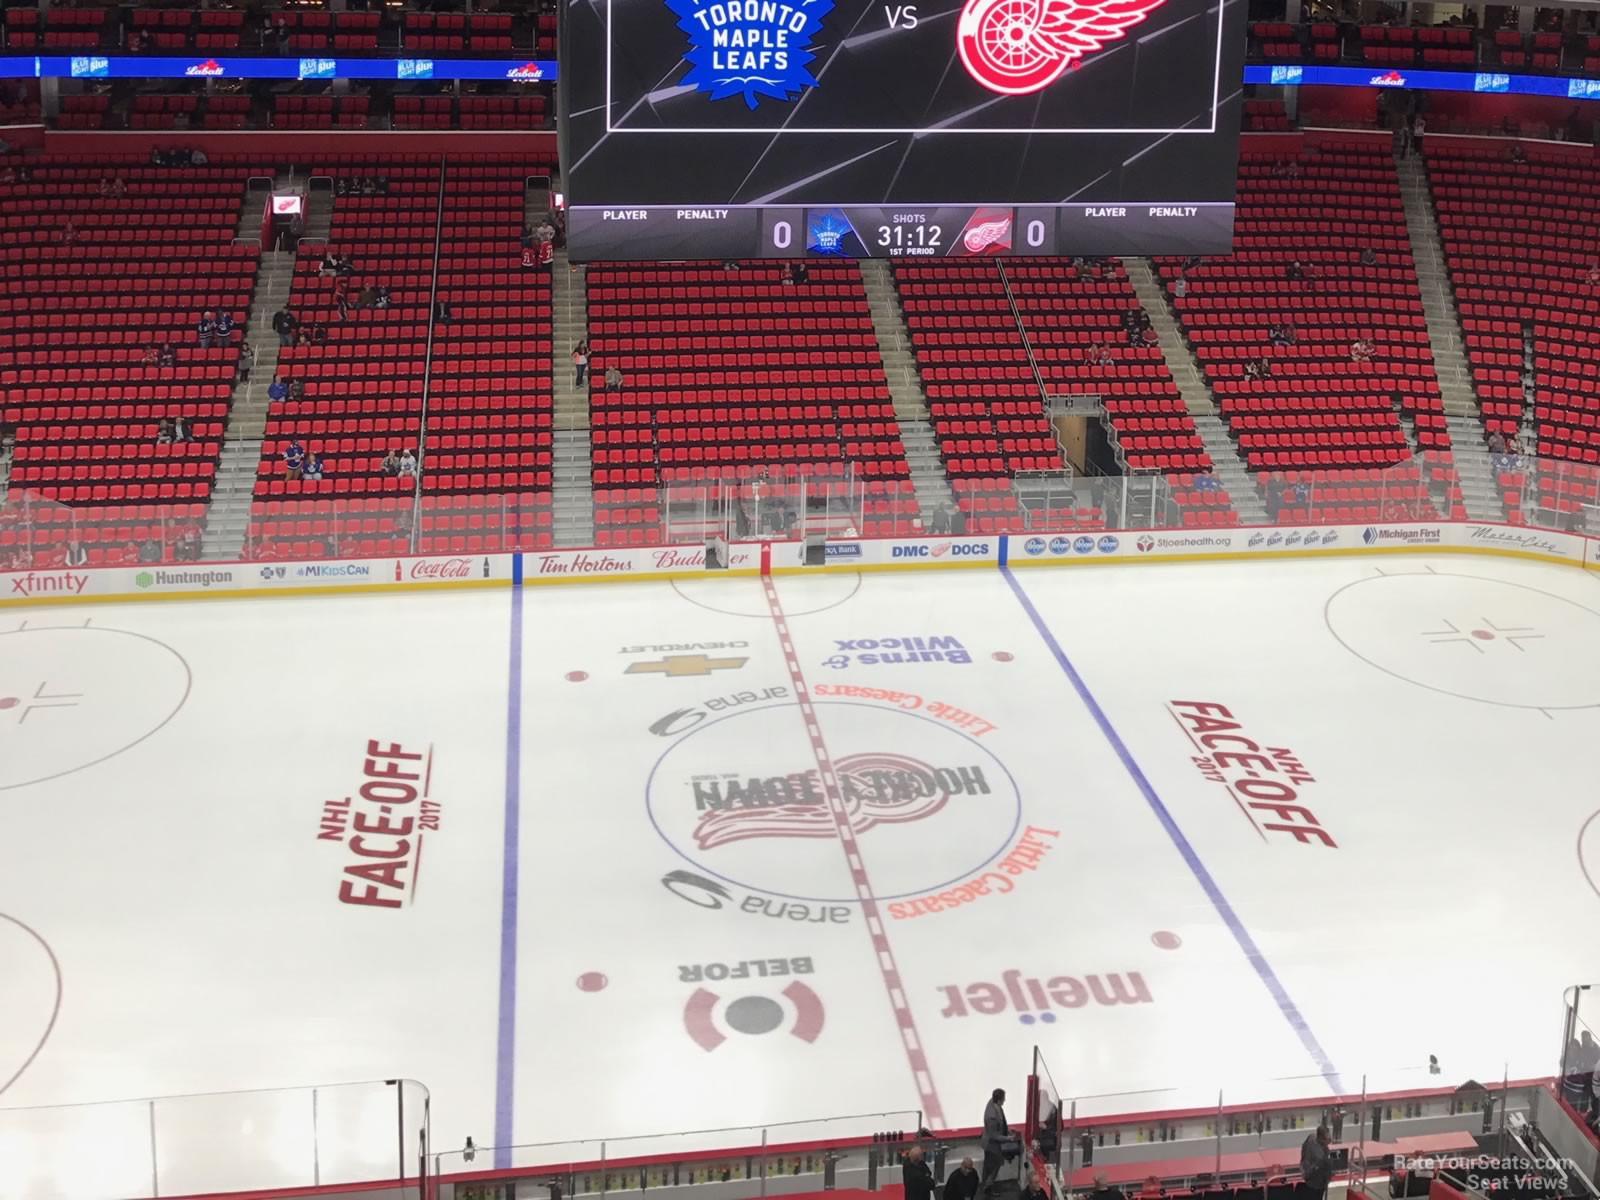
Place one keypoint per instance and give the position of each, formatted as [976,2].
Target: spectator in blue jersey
[224,327]
[312,471]
[294,459]
[206,328]
[278,390]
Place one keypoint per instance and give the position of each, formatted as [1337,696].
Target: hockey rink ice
[595,862]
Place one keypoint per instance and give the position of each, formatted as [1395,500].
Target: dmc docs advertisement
[879,552]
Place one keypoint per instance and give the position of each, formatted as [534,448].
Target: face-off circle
[747,598]
[741,799]
[1474,638]
[1589,851]
[32,991]
[80,695]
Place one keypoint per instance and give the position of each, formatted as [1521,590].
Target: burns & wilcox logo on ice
[750,48]
[871,652]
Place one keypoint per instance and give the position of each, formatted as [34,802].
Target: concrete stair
[248,226]
[928,478]
[1226,463]
[1230,470]
[228,515]
[1179,358]
[1474,469]
[1438,302]
[319,210]
[574,478]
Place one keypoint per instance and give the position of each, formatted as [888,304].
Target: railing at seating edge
[344,1139]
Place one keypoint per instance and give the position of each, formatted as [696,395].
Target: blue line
[506,1046]
[1241,935]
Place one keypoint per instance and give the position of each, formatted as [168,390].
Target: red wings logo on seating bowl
[1015,47]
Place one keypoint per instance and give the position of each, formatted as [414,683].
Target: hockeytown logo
[750,48]
[875,789]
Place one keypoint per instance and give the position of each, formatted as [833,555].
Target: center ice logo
[750,48]
[877,789]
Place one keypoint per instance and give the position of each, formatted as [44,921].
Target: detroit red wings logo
[877,789]
[1019,46]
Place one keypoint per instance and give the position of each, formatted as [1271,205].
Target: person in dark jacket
[996,1131]
[1316,1165]
[917,1175]
[1033,1189]
[963,1182]
[1103,1189]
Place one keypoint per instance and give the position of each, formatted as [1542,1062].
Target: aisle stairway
[1479,495]
[905,390]
[574,480]
[1226,464]
[228,517]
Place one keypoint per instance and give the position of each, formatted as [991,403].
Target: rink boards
[662,563]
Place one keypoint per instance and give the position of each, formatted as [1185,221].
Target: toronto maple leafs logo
[750,48]
[1019,46]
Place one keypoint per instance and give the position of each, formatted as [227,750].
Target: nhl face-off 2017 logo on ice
[754,48]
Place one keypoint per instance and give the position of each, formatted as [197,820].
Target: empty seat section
[735,375]
[94,285]
[1352,359]
[363,386]
[487,481]
[1522,249]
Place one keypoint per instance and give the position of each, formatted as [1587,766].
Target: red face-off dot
[1483,635]
[591,981]
[577,676]
[9,702]
[1165,940]
[1002,656]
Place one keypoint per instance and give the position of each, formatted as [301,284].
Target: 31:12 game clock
[948,231]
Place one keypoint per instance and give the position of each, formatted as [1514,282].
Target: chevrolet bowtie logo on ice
[676,665]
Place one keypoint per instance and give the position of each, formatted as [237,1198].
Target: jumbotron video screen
[696,129]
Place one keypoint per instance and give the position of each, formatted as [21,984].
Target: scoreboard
[910,129]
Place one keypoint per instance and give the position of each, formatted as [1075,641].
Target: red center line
[916,1057]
